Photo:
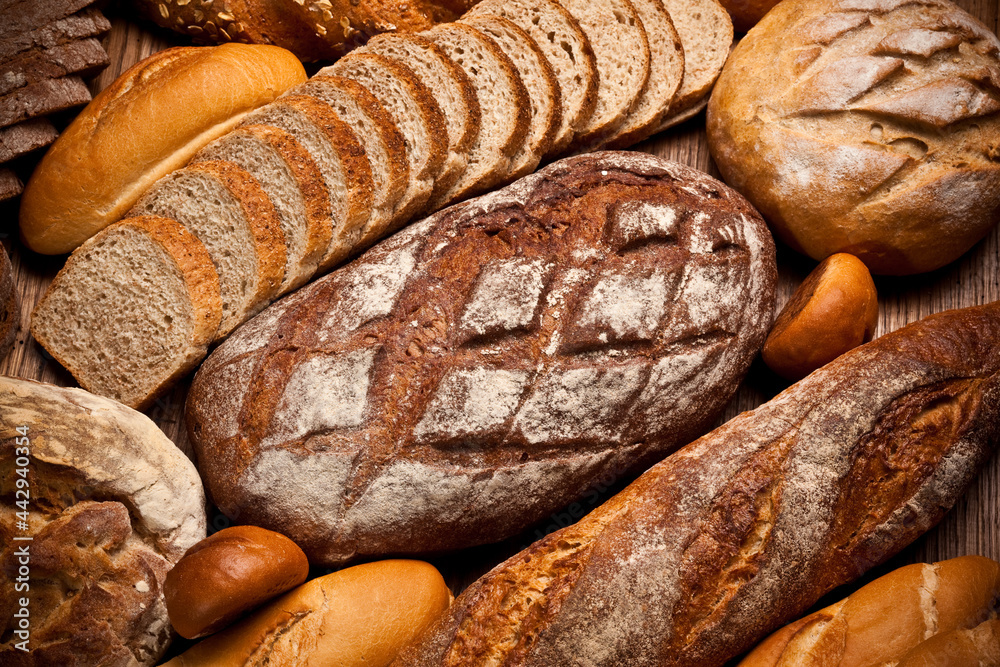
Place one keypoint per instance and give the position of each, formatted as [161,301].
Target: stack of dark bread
[47,49]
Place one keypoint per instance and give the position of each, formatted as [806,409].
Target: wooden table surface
[972,527]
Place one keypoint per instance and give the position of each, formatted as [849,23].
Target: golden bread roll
[147,123]
[976,647]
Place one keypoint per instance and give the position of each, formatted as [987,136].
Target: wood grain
[973,527]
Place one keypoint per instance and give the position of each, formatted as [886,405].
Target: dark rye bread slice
[539,80]
[415,112]
[10,308]
[10,185]
[83,57]
[42,98]
[568,51]
[382,141]
[504,102]
[666,71]
[228,212]
[287,173]
[88,23]
[133,309]
[17,140]
[21,16]
[336,151]
[622,49]
[452,88]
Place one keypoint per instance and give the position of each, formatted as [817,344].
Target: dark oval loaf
[747,527]
[480,369]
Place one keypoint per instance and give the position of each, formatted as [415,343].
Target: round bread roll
[229,573]
[870,127]
[111,505]
[147,123]
[834,310]
[882,622]
[10,310]
[358,617]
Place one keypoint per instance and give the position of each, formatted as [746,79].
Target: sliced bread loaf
[17,140]
[568,51]
[539,80]
[82,57]
[10,307]
[42,98]
[666,71]
[133,309]
[347,174]
[622,49]
[506,108]
[415,112]
[293,183]
[452,88]
[10,185]
[226,209]
[381,139]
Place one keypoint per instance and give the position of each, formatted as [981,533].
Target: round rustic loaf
[870,127]
[478,370]
[111,504]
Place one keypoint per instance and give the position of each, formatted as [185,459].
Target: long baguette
[748,526]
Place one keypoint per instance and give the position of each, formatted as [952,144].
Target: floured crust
[431,414]
[748,526]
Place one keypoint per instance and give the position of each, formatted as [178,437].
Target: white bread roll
[358,617]
[149,122]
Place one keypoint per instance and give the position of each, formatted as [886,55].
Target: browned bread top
[479,369]
[748,526]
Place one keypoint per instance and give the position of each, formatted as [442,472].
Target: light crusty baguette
[226,209]
[358,617]
[10,308]
[748,526]
[568,51]
[506,112]
[106,159]
[384,144]
[347,174]
[975,647]
[881,622]
[415,112]
[451,87]
[133,309]
[540,82]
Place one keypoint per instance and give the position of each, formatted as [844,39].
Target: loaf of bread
[974,647]
[883,621]
[149,122]
[110,505]
[358,617]
[747,527]
[871,128]
[480,369]
[10,308]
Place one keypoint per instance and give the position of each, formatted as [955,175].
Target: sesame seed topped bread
[226,209]
[452,89]
[134,308]
[539,80]
[343,163]
[568,51]
[621,48]
[415,112]
[506,110]
[666,71]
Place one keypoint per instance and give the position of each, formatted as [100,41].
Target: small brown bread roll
[977,647]
[880,623]
[10,314]
[834,310]
[146,124]
[870,127]
[229,573]
[358,617]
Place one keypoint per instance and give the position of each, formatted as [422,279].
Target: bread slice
[88,23]
[133,309]
[415,112]
[622,49]
[42,98]
[341,159]
[10,307]
[293,183]
[666,71]
[22,138]
[539,80]
[568,51]
[452,88]
[83,57]
[10,185]
[504,102]
[226,209]
[706,31]
[381,139]
[21,16]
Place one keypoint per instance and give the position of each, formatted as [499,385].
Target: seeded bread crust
[10,308]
